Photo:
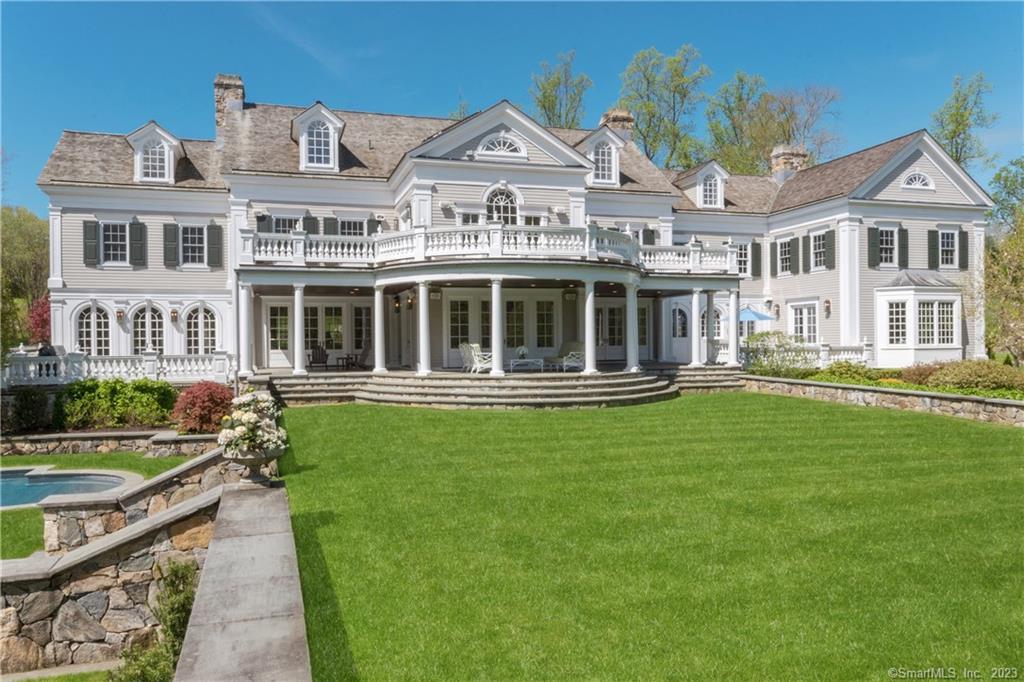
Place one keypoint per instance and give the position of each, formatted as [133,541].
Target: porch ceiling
[602,288]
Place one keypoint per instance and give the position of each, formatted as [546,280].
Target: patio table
[536,363]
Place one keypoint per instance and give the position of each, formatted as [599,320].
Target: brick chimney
[787,160]
[619,120]
[228,95]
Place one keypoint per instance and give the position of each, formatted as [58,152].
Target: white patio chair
[573,360]
[481,360]
[467,356]
[571,351]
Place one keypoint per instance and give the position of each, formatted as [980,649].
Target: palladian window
[917,181]
[502,144]
[501,206]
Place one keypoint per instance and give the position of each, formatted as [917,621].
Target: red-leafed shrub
[39,320]
[200,408]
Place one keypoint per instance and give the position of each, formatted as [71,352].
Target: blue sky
[112,67]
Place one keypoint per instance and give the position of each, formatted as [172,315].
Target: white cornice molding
[137,199]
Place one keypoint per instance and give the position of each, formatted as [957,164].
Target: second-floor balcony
[494,240]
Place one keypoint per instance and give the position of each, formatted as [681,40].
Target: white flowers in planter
[252,425]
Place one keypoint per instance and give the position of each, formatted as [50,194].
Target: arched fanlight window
[502,143]
[501,206]
[679,324]
[154,161]
[94,331]
[704,324]
[318,144]
[709,190]
[603,167]
[147,331]
[200,332]
[917,180]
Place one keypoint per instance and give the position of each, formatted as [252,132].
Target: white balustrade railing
[491,240]
[28,370]
[115,367]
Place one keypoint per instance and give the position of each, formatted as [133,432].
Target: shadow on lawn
[329,650]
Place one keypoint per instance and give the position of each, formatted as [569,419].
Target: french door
[611,337]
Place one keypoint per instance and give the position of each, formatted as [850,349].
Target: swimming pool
[19,487]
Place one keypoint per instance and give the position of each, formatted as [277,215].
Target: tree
[1004,293]
[24,268]
[957,121]
[746,120]
[558,94]
[39,320]
[1008,192]
[661,92]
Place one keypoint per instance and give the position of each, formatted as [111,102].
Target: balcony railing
[23,369]
[493,240]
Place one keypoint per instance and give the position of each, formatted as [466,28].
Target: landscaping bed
[714,536]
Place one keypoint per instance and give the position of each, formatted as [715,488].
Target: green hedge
[97,404]
[968,377]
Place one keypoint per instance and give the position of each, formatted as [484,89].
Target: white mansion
[393,241]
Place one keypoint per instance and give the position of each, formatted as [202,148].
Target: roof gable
[317,110]
[151,131]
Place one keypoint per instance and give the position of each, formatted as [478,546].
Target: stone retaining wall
[93,611]
[153,443]
[1009,412]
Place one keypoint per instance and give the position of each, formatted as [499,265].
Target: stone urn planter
[254,461]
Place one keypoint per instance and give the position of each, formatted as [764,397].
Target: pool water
[18,488]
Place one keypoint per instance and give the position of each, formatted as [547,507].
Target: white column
[497,330]
[709,309]
[92,330]
[299,331]
[695,329]
[56,279]
[632,330]
[379,362]
[245,331]
[590,329]
[848,264]
[734,327]
[423,332]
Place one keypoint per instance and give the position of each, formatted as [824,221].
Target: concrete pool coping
[129,480]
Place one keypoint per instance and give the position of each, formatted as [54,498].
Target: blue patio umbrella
[750,315]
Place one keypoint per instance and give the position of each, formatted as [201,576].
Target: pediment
[152,131]
[314,111]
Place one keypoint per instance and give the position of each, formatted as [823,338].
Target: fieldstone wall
[95,610]
[1009,412]
[153,443]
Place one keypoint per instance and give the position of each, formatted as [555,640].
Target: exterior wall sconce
[410,302]
[777,311]
[828,307]
[174,314]
[397,303]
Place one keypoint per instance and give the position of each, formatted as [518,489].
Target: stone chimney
[228,95]
[787,160]
[619,120]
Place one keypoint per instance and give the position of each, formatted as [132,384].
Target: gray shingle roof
[920,278]
[743,193]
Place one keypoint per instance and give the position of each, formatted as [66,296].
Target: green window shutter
[755,259]
[830,249]
[794,256]
[263,223]
[904,248]
[214,245]
[91,244]
[873,257]
[310,224]
[137,243]
[807,253]
[964,260]
[171,245]
[331,226]
[372,225]
[933,249]
[775,259]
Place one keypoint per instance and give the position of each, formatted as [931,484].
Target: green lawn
[22,529]
[716,536]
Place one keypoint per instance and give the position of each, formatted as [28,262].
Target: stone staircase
[458,390]
[701,379]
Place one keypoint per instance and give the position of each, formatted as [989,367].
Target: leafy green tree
[661,92]
[958,120]
[1008,192]
[1004,293]
[24,268]
[558,93]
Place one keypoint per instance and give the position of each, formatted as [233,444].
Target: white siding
[890,188]
[534,154]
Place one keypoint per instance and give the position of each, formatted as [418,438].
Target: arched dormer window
[502,206]
[502,146]
[917,180]
[710,191]
[604,166]
[154,161]
[319,149]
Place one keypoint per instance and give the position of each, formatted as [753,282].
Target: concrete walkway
[248,622]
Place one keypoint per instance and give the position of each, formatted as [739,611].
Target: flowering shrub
[252,425]
[774,354]
[200,408]
[39,320]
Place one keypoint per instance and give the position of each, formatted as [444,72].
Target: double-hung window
[154,161]
[947,247]
[193,245]
[887,246]
[785,255]
[285,225]
[351,228]
[818,251]
[805,322]
[532,220]
[470,219]
[743,258]
[115,242]
[897,317]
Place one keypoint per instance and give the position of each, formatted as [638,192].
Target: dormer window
[603,163]
[154,161]
[917,180]
[319,150]
[501,146]
[710,192]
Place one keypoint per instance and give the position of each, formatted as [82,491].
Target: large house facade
[399,239]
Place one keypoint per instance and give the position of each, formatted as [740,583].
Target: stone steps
[571,401]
